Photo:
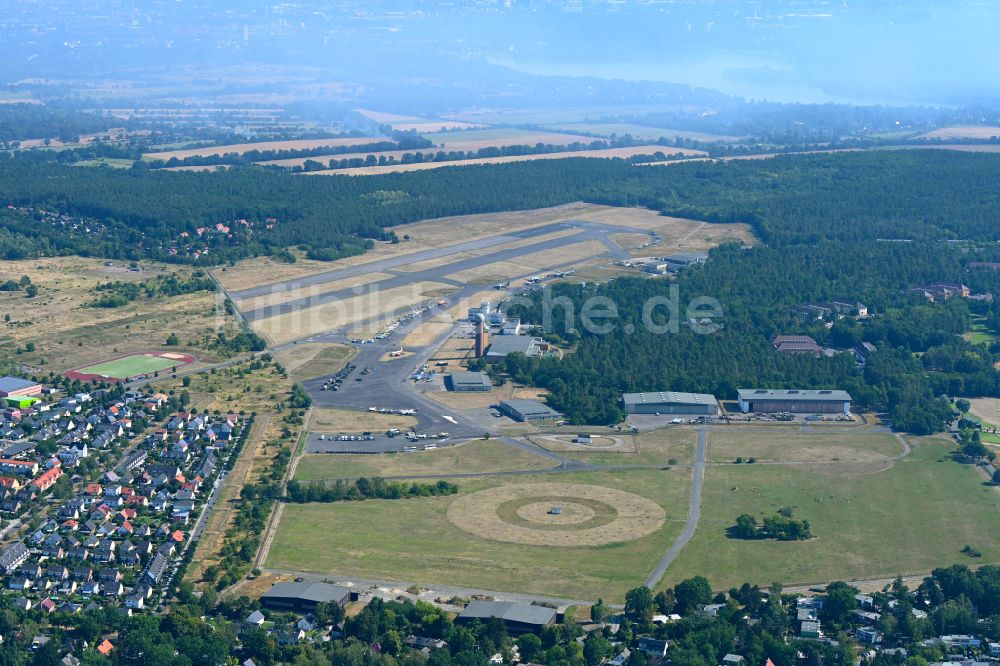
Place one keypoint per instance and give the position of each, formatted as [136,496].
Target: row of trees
[364,488]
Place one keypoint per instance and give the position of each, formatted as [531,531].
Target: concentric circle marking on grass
[587,515]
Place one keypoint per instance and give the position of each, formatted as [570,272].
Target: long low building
[11,387]
[304,597]
[517,618]
[670,402]
[527,410]
[795,401]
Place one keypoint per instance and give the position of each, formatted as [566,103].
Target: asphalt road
[694,512]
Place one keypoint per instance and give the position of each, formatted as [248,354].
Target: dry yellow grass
[299,144]
[962,132]
[426,333]
[987,409]
[605,153]
[68,334]
[307,361]
[224,511]
[337,314]
[592,515]
[283,296]
[329,419]
[470,400]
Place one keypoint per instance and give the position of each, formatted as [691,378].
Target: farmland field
[641,132]
[963,132]
[240,148]
[416,541]
[603,153]
[504,136]
[912,517]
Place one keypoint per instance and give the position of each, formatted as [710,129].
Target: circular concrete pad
[522,513]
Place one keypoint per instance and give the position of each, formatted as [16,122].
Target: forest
[789,200]
[919,354]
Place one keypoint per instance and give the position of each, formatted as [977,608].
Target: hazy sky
[912,51]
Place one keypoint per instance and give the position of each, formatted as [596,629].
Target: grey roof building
[304,597]
[518,618]
[11,386]
[12,557]
[811,401]
[469,381]
[670,402]
[509,344]
[527,410]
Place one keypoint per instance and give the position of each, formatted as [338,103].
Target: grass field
[130,366]
[987,410]
[850,446]
[413,540]
[910,518]
[980,333]
[471,457]
[68,334]
[308,361]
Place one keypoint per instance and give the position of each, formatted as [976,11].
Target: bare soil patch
[986,409]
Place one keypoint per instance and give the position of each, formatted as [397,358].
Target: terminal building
[670,402]
[469,381]
[527,410]
[771,401]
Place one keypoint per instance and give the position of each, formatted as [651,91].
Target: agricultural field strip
[437,274]
[302,144]
[603,153]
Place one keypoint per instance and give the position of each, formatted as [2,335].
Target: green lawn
[847,445]
[913,517]
[130,366]
[980,333]
[640,132]
[412,540]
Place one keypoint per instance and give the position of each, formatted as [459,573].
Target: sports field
[132,365]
